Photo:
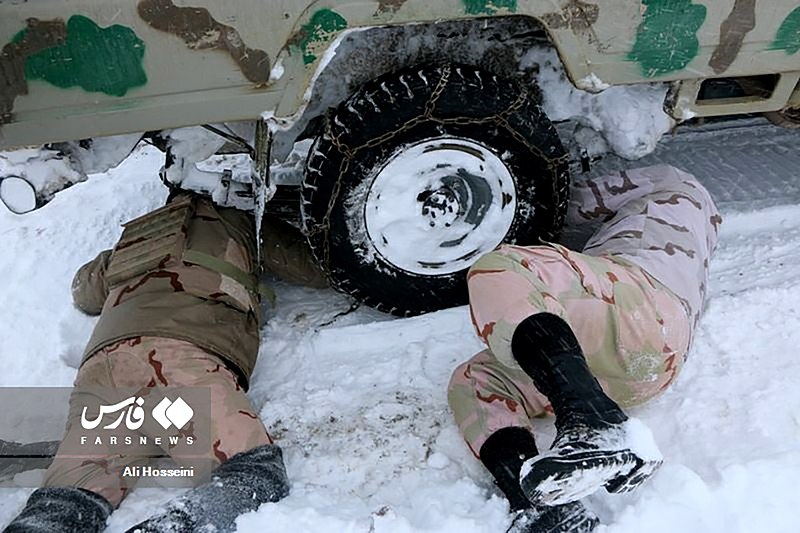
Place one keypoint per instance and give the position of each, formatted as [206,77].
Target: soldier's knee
[469,376]
[503,253]
[459,380]
[498,260]
[482,263]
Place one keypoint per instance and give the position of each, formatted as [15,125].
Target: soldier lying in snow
[628,303]
[179,306]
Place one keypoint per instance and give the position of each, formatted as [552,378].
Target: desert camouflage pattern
[632,297]
[659,218]
[153,362]
[166,322]
[179,300]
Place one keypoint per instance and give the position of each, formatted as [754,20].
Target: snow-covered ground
[359,404]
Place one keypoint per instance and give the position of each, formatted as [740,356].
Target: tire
[421,172]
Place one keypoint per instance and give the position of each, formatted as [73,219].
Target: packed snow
[358,401]
[43,169]
[629,118]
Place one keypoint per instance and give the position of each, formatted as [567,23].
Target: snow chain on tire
[334,155]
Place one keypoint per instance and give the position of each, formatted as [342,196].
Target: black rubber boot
[239,485]
[503,454]
[62,510]
[592,444]
[571,517]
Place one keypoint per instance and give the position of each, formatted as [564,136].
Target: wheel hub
[441,207]
[436,206]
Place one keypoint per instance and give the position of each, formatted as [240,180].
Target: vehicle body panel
[77,69]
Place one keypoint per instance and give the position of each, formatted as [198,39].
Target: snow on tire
[421,172]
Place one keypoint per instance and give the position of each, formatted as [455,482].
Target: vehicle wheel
[421,172]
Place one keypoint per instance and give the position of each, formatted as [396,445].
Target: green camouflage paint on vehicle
[489,7]
[105,60]
[666,39]
[210,61]
[319,29]
[788,36]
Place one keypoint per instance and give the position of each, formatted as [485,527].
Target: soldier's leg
[248,470]
[486,396]
[628,344]
[99,470]
[492,397]
[83,484]
[493,405]
[149,362]
[62,510]
[662,221]
[235,426]
[596,444]
[632,330]
[102,471]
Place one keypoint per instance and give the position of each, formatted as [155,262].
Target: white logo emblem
[167,413]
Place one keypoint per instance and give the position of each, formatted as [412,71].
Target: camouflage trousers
[634,329]
[147,362]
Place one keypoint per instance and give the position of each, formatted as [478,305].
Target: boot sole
[556,480]
[574,518]
[583,524]
[631,481]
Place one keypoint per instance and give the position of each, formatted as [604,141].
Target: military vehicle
[417,126]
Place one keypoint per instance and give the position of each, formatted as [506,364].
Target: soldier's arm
[89,288]
[286,254]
